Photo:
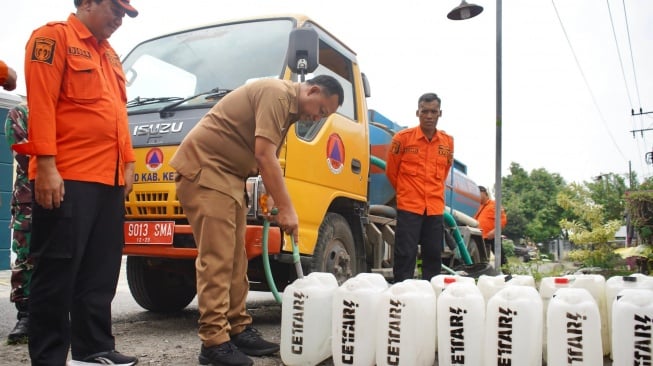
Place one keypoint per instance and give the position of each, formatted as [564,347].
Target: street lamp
[462,12]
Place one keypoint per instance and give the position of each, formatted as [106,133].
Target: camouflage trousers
[21,272]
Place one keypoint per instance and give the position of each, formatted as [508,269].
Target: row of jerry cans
[500,320]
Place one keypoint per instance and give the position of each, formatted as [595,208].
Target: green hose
[377,161]
[266,258]
[451,222]
[266,262]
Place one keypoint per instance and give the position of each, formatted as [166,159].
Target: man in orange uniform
[485,218]
[7,77]
[417,167]
[81,167]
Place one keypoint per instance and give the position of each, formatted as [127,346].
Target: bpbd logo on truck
[154,159]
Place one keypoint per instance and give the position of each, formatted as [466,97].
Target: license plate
[149,232]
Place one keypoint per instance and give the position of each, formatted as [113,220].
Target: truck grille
[150,205]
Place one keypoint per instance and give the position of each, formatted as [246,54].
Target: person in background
[7,77]
[417,166]
[81,168]
[21,224]
[239,137]
[485,218]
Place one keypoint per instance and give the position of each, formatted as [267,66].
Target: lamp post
[466,11]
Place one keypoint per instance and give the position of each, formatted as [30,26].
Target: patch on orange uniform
[43,50]
[396,146]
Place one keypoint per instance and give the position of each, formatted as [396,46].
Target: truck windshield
[223,56]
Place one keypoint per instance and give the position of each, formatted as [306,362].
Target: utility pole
[632,112]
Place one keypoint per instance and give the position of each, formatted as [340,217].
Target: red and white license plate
[149,232]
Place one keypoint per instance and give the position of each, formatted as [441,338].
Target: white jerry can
[513,327]
[406,332]
[632,331]
[354,319]
[573,329]
[306,319]
[461,325]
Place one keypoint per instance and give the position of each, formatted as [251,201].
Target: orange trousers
[219,224]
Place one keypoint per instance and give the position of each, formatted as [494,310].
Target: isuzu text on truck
[342,198]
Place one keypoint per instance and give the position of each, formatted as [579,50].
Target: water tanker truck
[333,168]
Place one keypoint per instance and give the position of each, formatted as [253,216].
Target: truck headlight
[256,197]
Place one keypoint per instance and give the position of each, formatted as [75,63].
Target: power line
[632,59]
[616,43]
[623,71]
[589,89]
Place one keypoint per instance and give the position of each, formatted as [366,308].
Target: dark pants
[77,249]
[414,229]
[489,244]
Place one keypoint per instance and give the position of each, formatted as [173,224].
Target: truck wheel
[335,251]
[161,285]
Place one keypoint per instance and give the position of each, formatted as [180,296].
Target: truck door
[330,158]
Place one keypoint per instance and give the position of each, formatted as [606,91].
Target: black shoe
[250,342]
[19,334]
[106,358]
[225,354]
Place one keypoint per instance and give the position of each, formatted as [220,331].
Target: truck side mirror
[303,51]
[366,86]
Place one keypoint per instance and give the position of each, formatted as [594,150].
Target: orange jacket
[4,72]
[76,99]
[417,169]
[485,218]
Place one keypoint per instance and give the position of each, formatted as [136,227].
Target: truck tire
[335,251]
[161,285]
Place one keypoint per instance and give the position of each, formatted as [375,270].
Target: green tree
[529,201]
[639,204]
[589,230]
[608,190]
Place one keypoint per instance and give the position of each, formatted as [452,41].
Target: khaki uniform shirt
[218,153]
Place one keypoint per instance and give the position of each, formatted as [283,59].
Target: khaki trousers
[219,224]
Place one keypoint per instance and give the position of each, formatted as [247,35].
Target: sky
[568,83]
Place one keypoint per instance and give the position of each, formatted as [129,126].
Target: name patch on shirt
[43,50]
[114,60]
[444,150]
[76,51]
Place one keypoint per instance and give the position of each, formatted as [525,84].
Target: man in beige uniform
[237,138]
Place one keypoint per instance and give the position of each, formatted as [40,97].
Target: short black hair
[428,97]
[79,2]
[482,189]
[329,86]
